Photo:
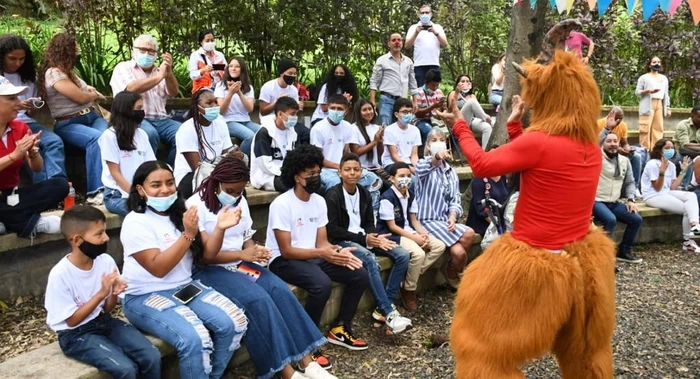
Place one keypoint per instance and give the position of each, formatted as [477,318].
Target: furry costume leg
[516,302]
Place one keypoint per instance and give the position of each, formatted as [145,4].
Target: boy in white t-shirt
[82,291]
[401,139]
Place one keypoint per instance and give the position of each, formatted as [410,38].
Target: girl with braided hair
[279,330]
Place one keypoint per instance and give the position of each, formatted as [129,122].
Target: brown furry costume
[523,298]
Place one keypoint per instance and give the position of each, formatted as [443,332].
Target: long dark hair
[195,113]
[137,204]
[657,150]
[231,169]
[122,119]
[61,54]
[12,42]
[357,115]
[245,79]
[346,84]
[203,33]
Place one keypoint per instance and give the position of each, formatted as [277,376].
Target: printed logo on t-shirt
[299,223]
[313,219]
[168,239]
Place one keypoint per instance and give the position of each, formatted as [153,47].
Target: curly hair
[231,169]
[12,42]
[61,54]
[339,85]
[299,159]
[656,151]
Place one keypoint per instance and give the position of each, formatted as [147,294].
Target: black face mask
[288,79]
[92,251]
[313,184]
[339,78]
[138,116]
[656,67]
[235,80]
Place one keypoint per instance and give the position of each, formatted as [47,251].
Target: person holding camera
[426,38]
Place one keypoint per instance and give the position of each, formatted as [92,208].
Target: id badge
[13,199]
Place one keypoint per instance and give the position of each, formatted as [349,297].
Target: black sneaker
[628,256]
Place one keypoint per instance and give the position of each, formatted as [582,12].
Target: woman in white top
[206,64]
[236,98]
[367,136]
[660,190]
[339,80]
[124,147]
[654,104]
[160,237]
[201,138]
[498,75]
[279,330]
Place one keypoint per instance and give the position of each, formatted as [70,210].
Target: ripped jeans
[205,332]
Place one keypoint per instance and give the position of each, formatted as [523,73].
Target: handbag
[102,111]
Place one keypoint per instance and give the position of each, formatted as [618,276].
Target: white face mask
[209,46]
[437,146]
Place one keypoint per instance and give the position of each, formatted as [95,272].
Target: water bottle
[69,201]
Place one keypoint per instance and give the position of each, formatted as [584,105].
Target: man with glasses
[426,38]
[155,84]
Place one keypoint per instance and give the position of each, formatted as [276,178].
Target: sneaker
[342,337]
[395,323]
[379,317]
[691,246]
[3,230]
[97,199]
[695,230]
[637,194]
[628,257]
[315,371]
[321,359]
[48,224]
[298,375]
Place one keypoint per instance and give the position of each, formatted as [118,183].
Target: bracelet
[190,240]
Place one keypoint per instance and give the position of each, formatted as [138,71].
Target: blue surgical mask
[161,204]
[425,18]
[291,121]
[226,199]
[669,153]
[145,60]
[407,118]
[336,116]
[211,113]
[427,90]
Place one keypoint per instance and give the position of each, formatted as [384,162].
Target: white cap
[9,89]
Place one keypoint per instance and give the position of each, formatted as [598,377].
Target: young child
[397,215]
[401,139]
[82,291]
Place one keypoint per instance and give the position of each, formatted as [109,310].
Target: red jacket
[9,177]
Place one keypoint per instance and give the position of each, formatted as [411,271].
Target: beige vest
[609,185]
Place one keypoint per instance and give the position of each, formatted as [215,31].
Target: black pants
[185,187]
[315,276]
[33,200]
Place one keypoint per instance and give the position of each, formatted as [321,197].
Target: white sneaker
[396,324]
[97,199]
[637,194]
[298,375]
[695,230]
[48,224]
[691,246]
[315,371]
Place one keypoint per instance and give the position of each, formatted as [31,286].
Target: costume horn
[555,39]
[519,69]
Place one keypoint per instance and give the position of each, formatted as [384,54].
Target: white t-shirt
[352,204]
[386,209]
[233,237]
[322,100]
[17,81]
[302,219]
[69,288]
[271,91]
[332,139]
[651,173]
[128,161]
[236,111]
[358,139]
[282,139]
[426,48]
[404,140]
[145,231]
[186,141]
[496,71]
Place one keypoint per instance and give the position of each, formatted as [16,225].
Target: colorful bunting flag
[591,4]
[533,4]
[695,10]
[665,5]
[630,6]
[648,8]
[569,5]
[561,5]
[552,3]
[674,6]
[603,6]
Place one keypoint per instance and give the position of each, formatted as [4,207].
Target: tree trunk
[527,30]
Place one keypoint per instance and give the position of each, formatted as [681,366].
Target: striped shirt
[153,100]
[437,191]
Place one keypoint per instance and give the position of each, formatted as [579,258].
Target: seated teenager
[401,139]
[236,97]
[351,224]
[300,253]
[279,330]
[80,295]
[271,144]
[20,208]
[333,136]
[340,81]
[124,147]
[463,96]
[160,237]
[495,188]
[430,101]
[367,139]
[397,217]
[202,138]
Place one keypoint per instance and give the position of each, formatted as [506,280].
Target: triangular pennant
[603,6]
[533,4]
[630,6]
[553,3]
[648,8]
[674,6]
[591,4]
[665,5]
[569,5]
[561,5]
[695,10]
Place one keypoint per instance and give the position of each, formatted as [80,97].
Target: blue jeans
[83,132]
[244,131]
[205,332]
[114,202]
[52,152]
[112,346]
[386,110]
[610,213]
[425,127]
[368,180]
[162,130]
[280,331]
[420,72]
[383,297]
[495,97]
[636,162]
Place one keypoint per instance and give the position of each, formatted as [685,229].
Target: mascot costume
[550,284]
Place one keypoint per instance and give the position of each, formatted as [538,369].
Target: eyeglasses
[146,50]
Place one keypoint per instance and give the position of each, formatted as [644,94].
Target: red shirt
[558,181]
[9,177]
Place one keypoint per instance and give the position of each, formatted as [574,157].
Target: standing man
[155,84]
[575,43]
[393,77]
[426,38]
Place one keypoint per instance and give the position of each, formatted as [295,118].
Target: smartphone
[426,27]
[187,293]
[250,273]
[219,66]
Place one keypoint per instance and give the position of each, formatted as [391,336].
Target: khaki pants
[651,126]
[421,259]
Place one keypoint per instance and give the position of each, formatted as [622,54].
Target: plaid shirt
[153,100]
[425,100]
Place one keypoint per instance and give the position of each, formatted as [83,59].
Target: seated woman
[236,98]
[439,204]
[367,139]
[160,237]
[17,65]
[201,138]
[71,103]
[20,208]
[204,62]
[279,330]
[124,147]
[495,188]
[463,97]
[339,81]
[660,190]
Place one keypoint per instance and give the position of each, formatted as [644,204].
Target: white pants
[678,202]
[476,118]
